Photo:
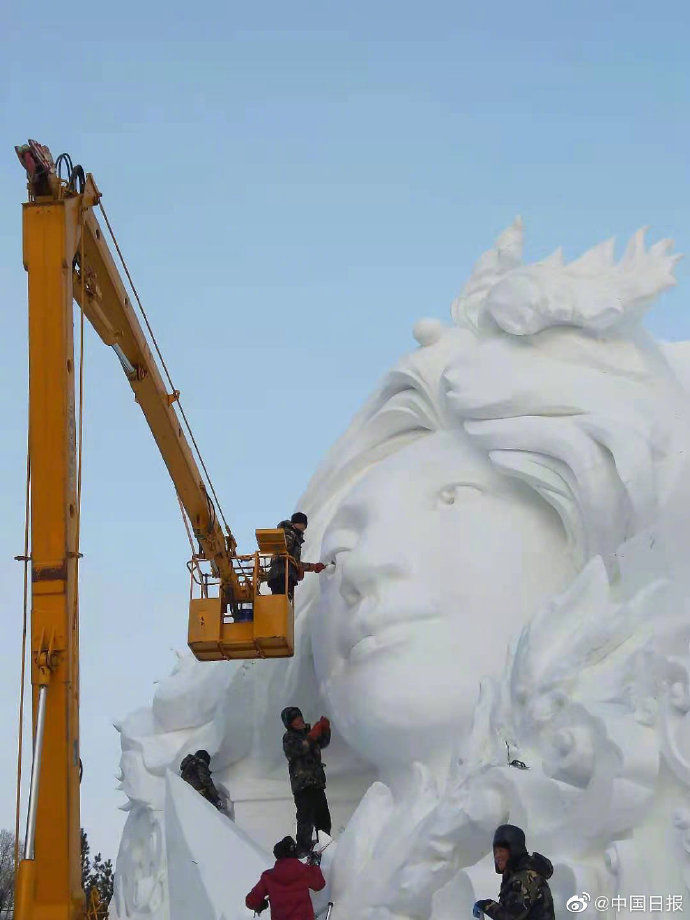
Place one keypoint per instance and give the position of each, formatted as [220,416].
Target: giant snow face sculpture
[538,431]
[506,511]
[438,558]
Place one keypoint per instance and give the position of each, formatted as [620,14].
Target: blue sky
[293,186]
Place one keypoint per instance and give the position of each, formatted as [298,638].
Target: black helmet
[203,755]
[299,517]
[513,838]
[289,715]
[285,848]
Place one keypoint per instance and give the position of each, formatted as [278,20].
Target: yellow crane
[67,258]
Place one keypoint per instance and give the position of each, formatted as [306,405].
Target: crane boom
[48,885]
[66,258]
[107,306]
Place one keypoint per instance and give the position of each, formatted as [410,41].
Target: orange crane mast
[67,258]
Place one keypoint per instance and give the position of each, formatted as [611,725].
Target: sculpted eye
[456,491]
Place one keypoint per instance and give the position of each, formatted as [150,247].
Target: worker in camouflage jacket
[525,893]
[302,746]
[194,770]
[294,538]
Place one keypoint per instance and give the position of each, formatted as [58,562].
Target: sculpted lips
[388,639]
[370,628]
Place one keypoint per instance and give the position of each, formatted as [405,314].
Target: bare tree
[97,873]
[6,872]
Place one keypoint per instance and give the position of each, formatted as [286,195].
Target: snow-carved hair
[549,371]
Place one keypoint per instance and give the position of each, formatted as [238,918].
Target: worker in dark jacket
[302,746]
[194,770]
[294,538]
[286,886]
[525,892]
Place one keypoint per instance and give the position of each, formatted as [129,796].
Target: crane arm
[100,291]
[67,258]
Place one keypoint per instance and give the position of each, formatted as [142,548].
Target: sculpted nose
[363,574]
[361,550]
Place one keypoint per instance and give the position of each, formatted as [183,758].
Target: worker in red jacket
[286,886]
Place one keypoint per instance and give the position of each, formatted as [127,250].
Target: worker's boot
[310,850]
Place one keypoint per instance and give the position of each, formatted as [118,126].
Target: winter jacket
[287,886]
[194,771]
[304,758]
[293,539]
[525,894]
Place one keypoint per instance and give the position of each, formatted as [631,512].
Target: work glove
[262,907]
[325,724]
[480,907]
[316,731]
[319,567]
[314,859]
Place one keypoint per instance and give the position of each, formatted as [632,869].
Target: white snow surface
[205,881]
[508,514]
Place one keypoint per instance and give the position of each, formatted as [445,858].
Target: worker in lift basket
[194,770]
[524,893]
[294,538]
[302,746]
[286,886]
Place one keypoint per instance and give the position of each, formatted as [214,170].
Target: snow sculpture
[197,872]
[508,518]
